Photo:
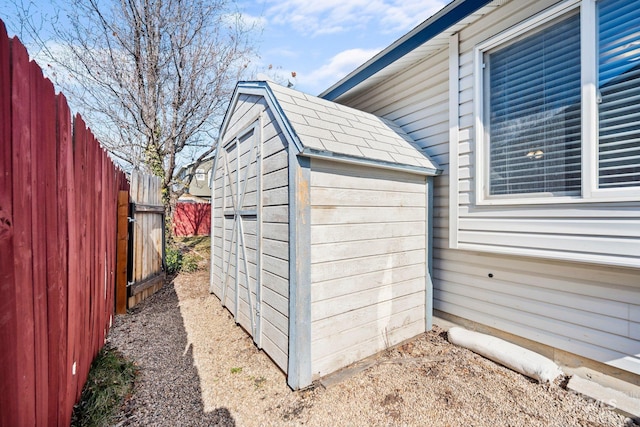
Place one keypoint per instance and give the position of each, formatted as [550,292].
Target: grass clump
[195,243]
[187,254]
[109,382]
[190,262]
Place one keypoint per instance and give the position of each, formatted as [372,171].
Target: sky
[320,40]
[324,40]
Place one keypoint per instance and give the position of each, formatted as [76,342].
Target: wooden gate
[241,232]
[146,272]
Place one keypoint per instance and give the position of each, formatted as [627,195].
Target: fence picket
[21,173]
[58,204]
[66,216]
[8,327]
[47,147]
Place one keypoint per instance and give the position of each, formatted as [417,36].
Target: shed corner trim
[299,374]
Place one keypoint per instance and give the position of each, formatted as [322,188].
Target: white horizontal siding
[367,262]
[587,309]
[399,327]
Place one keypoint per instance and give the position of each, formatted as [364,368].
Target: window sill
[562,200]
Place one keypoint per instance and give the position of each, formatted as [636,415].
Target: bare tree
[152,76]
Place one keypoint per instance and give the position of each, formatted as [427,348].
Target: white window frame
[589,117]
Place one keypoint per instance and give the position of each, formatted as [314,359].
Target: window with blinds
[532,112]
[619,93]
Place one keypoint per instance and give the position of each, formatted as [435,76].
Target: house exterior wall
[585,308]
[368,270]
[268,231]
[199,185]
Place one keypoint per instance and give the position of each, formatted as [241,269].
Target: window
[559,115]
[619,93]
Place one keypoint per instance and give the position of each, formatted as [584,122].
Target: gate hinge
[131,219]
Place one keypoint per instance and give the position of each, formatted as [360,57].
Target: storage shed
[321,229]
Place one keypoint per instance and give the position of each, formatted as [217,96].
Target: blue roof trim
[456,14]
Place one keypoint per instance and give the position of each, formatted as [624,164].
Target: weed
[187,253]
[259,382]
[173,259]
[236,370]
[110,380]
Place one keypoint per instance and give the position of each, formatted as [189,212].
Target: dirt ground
[197,367]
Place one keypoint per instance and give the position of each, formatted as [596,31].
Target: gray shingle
[377,154]
[327,126]
[342,148]
[332,117]
[317,132]
[357,132]
[350,139]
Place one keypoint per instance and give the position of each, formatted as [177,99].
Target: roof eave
[380,164]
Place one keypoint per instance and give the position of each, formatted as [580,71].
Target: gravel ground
[198,368]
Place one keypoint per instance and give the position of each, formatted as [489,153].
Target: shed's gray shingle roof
[326,126]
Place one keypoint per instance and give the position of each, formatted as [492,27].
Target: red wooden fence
[192,219]
[58,203]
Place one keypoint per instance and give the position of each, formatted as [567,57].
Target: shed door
[241,255]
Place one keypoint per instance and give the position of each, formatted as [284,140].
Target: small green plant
[109,382]
[190,262]
[173,259]
[236,370]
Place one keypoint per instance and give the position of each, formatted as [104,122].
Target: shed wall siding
[367,262]
[275,243]
[274,231]
[587,309]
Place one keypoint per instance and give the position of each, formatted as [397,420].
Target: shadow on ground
[167,389]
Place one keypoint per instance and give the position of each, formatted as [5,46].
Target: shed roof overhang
[424,40]
[362,161]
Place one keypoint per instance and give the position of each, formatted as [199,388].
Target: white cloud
[335,16]
[403,16]
[337,67]
[256,22]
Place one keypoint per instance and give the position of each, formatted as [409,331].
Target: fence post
[121,257]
